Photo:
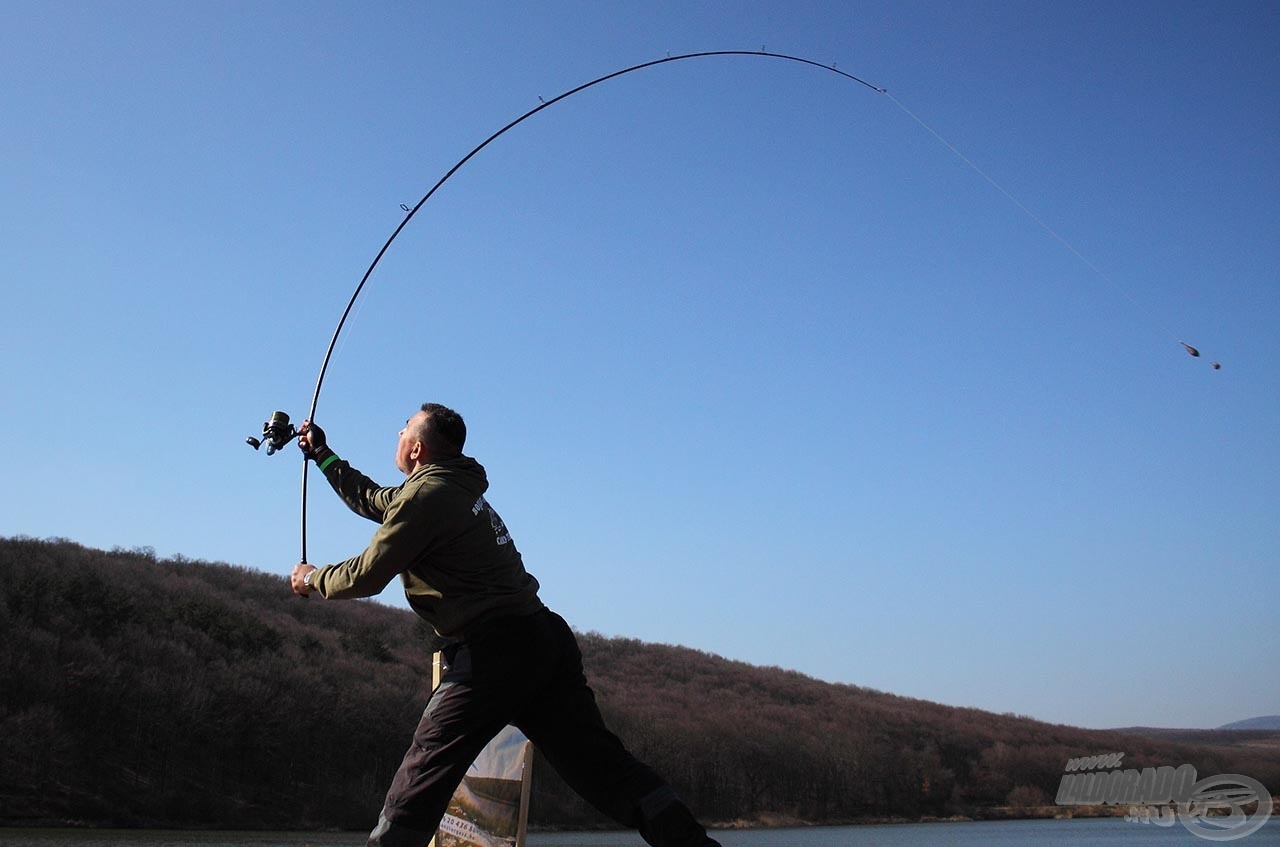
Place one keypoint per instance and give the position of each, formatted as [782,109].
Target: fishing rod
[278,431]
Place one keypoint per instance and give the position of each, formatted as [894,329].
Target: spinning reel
[276,433]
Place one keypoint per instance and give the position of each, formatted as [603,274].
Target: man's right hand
[298,579]
[311,439]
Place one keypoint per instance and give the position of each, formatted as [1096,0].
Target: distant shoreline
[771,822]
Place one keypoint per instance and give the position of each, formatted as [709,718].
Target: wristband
[333,457]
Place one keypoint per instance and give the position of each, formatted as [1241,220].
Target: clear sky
[756,364]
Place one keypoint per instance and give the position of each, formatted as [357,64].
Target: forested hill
[137,691]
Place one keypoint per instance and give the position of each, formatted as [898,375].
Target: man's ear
[418,451]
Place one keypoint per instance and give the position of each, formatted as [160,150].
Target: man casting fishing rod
[511,659]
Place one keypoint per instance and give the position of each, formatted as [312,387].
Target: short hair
[444,431]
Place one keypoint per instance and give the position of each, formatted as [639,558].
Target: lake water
[1105,832]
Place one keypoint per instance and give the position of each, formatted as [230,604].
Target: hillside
[137,691]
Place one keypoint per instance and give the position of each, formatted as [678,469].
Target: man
[511,659]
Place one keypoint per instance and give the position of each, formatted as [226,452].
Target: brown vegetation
[137,691]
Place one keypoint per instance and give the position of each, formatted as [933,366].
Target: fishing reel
[276,433]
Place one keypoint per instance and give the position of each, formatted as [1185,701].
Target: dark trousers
[526,671]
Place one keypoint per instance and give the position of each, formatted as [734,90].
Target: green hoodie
[453,553]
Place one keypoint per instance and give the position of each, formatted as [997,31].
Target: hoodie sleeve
[362,495]
[394,547]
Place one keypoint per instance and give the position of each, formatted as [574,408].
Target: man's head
[436,432]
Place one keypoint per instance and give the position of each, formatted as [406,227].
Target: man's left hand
[298,577]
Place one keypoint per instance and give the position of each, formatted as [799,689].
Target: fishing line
[1041,223]
[543,104]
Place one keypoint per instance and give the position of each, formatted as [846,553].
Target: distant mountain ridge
[1264,722]
[136,691]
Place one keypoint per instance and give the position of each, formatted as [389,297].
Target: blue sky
[756,364]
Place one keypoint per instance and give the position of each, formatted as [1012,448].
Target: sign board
[491,806]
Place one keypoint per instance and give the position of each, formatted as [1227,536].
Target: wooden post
[526,786]
[437,672]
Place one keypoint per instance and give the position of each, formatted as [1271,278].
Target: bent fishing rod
[277,431]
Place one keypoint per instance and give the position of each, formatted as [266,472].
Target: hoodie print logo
[499,528]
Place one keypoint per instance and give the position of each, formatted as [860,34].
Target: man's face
[409,449]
